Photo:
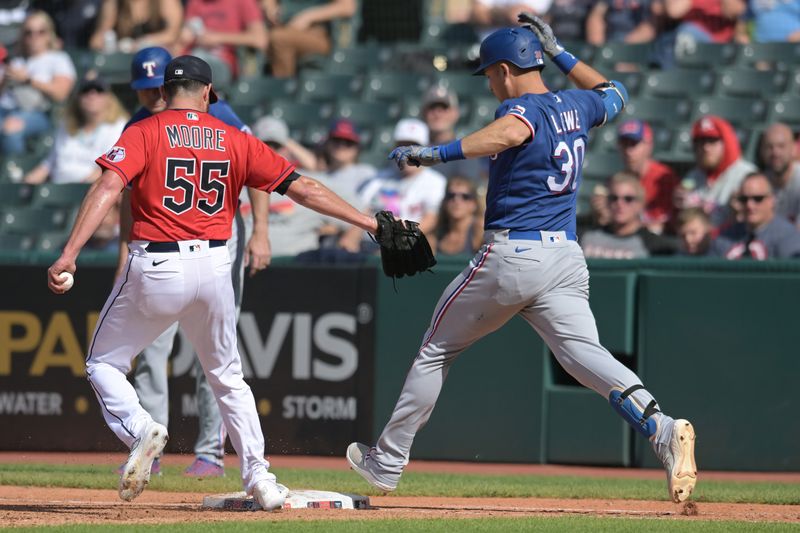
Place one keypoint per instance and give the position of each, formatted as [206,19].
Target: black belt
[163,247]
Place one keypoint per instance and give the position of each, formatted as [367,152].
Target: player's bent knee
[640,419]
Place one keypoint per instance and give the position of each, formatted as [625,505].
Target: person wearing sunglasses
[93,119]
[762,234]
[459,230]
[778,153]
[34,81]
[719,168]
[626,236]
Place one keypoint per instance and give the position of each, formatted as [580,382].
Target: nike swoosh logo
[156,263]
[520,250]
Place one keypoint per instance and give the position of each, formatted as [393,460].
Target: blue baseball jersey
[219,109]
[534,186]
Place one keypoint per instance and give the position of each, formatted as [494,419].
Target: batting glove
[543,31]
[416,156]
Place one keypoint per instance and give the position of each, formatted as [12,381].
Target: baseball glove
[404,248]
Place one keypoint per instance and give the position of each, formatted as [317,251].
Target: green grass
[500,525]
[413,484]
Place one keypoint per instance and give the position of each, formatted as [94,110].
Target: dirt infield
[38,506]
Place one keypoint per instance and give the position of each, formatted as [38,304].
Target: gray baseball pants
[150,376]
[545,283]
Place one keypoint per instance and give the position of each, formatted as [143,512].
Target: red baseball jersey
[186,169]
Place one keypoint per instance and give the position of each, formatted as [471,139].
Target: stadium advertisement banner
[306,336]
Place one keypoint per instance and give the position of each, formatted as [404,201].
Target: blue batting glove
[416,156]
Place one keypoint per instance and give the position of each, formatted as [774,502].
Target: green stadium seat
[327,87]
[786,110]
[581,49]
[463,83]
[751,83]
[710,56]
[553,79]
[393,86]
[27,220]
[679,83]
[356,60]
[15,243]
[631,80]
[50,241]
[383,142]
[603,140]
[737,111]
[14,167]
[299,115]
[68,195]
[15,194]
[314,135]
[774,55]
[612,54]
[368,114]
[438,31]
[482,110]
[115,67]
[659,111]
[262,89]
[599,166]
[681,151]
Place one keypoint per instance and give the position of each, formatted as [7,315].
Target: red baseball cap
[344,129]
[706,128]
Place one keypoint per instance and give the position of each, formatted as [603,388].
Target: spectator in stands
[635,143]
[599,214]
[75,20]
[32,82]
[705,21]
[778,152]
[628,21]
[305,32]
[568,19]
[275,133]
[413,193]
[489,15]
[130,25]
[339,158]
[694,230]
[459,229]
[772,21]
[625,237]
[762,234]
[94,119]
[215,28]
[719,167]
[441,113]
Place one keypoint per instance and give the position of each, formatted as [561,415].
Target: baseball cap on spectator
[344,129]
[271,129]
[190,68]
[706,128]
[439,94]
[93,83]
[411,130]
[635,130]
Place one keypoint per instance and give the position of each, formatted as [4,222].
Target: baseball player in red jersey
[186,169]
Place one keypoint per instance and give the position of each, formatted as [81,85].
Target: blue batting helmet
[147,68]
[518,46]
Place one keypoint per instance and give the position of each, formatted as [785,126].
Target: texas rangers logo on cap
[116,154]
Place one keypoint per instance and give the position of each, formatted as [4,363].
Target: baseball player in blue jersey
[531,264]
[249,244]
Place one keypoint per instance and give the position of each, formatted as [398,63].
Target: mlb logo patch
[518,109]
[116,154]
[554,238]
[192,116]
[194,247]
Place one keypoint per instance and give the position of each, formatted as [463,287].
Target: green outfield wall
[716,342]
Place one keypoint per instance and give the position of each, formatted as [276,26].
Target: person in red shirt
[217,27]
[635,142]
[186,169]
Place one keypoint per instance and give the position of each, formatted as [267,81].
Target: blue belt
[163,247]
[536,235]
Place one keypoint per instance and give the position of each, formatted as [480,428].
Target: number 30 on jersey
[571,164]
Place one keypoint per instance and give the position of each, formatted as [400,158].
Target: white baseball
[66,280]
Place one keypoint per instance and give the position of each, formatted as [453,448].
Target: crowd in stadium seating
[704,163]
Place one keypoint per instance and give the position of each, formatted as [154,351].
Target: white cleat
[136,472]
[678,460]
[269,494]
[359,457]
